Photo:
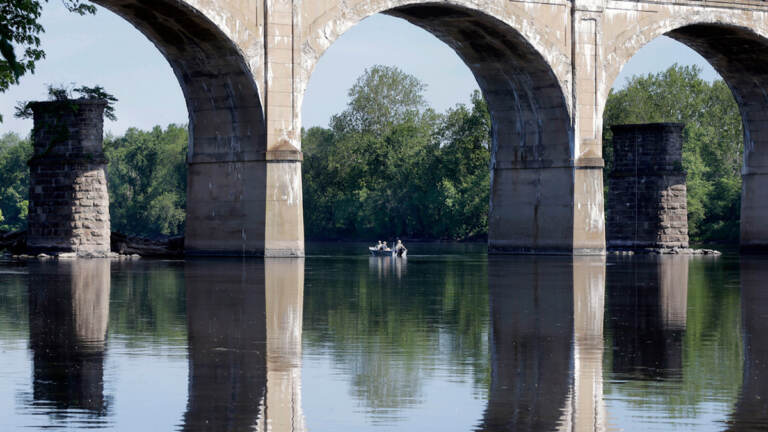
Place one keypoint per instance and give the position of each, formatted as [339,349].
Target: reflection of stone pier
[546,344]
[285,306]
[227,344]
[651,297]
[68,316]
[588,409]
[244,321]
[751,410]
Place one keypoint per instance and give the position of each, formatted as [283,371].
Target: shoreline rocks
[14,245]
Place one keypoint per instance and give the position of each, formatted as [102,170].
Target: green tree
[14,181]
[712,146]
[390,165]
[383,341]
[383,97]
[464,161]
[147,180]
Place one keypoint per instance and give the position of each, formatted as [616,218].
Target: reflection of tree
[68,314]
[387,332]
[672,322]
[14,311]
[149,302]
[751,410]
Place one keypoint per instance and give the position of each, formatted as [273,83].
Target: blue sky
[106,50]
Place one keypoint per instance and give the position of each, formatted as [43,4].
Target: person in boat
[380,246]
[399,247]
[384,246]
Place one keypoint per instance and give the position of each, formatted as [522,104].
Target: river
[448,340]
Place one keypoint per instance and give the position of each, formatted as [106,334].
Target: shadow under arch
[227,132]
[738,53]
[532,179]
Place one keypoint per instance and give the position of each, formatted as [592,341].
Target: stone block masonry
[68,198]
[647,200]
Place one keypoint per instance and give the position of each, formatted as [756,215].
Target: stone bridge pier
[545,69]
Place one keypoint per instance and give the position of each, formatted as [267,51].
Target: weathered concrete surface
[545,69]
[68,198]
[754,209]
[225,208]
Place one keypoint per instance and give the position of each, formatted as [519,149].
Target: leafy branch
[20,29]
[62,93]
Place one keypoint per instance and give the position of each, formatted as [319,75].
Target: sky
[106,50]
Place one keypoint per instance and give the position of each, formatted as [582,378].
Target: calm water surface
[447,340]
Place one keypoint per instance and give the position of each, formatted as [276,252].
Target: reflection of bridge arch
[546,344]
[751,410]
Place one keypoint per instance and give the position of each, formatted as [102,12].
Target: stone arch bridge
[545,68]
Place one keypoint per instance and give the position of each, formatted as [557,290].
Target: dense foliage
[148,180]
[712,146]
[390,165]
[14,181]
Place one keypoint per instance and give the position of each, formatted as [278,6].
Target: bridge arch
[524,77]
[227,133]
[737,48]
[221,94]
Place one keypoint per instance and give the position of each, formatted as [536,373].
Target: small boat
[402,253]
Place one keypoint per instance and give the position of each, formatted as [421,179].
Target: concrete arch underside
[526,88]
[226,158]
[737,48]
